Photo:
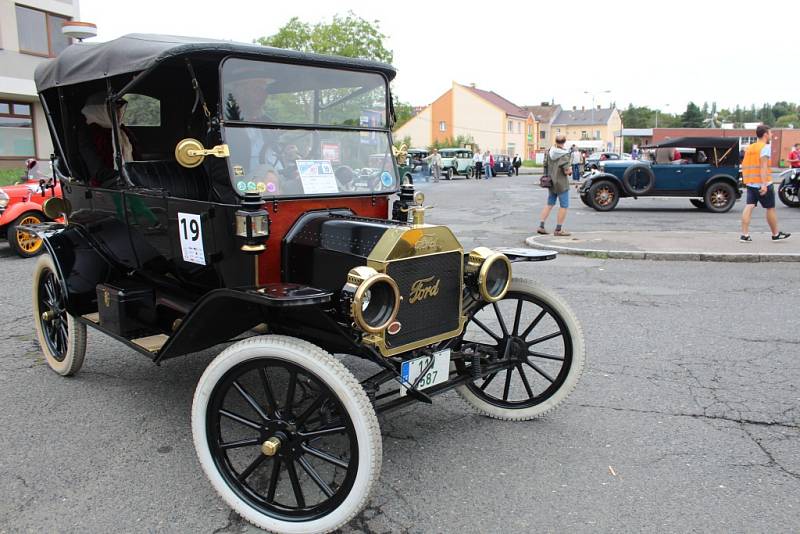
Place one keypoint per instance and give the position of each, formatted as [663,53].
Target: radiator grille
[434,314]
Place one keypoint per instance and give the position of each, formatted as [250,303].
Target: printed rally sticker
[191,234]
[317,176]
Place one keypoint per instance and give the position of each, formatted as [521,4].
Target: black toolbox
[126,308]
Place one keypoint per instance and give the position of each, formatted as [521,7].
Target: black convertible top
[136,52]
[723,143]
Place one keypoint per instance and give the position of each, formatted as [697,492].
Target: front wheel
[61,336]
[789,193]
[603,195]
[720,197]
[537,342]
[24,244]
[286,435]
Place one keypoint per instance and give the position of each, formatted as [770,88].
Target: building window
[584,135]
[16,130]
[597,134]
[442,126]
[40,32]
[542,134]
[519,127]
[511,126]
[558,130]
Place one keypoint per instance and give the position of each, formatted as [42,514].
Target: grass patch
[531,163]
[9,176]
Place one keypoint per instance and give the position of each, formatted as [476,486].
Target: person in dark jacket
[516,163]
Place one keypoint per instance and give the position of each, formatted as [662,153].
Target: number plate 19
[439,372]
[190,230]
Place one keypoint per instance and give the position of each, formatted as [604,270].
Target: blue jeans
[488,169]
[563,199]
[576,171]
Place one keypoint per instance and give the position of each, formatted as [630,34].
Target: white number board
[190,230]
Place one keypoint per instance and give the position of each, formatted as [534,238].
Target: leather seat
[169,176]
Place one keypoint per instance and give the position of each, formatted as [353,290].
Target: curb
[732,257]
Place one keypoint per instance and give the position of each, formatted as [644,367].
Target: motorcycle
[789,190]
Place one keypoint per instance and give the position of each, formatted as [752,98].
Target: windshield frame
[385,129]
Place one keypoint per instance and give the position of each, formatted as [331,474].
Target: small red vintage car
[21,204]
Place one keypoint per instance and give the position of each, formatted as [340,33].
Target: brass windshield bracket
[191,153]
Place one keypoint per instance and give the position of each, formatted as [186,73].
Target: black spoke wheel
[61,337]
[789,193]
[286,434]
[719,197]
[603,195]
[533,345]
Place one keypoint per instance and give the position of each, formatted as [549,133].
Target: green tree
[403,112]
[348,35]
[459,141]
[692,117]
[790,120]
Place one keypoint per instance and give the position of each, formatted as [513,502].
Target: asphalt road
[686,418]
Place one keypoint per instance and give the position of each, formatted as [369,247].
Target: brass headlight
[374,299]
[491,273]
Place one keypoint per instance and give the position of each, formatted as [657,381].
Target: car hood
[21,190]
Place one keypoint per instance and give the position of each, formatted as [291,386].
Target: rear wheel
[603,195]
[61,336]
[25,244]
[286,435]
[697,203]
[537,342]
[720,197]
[789,193]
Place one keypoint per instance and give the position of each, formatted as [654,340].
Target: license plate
[412,369]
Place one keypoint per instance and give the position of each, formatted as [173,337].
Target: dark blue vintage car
[703,169]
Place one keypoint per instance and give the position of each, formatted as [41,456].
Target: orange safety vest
[751,164]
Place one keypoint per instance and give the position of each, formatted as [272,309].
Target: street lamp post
[595,93]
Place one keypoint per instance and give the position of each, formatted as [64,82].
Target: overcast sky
[647,53]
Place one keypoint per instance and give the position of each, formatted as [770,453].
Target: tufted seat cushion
[169,176]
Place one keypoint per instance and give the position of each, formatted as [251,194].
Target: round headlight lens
[375,299]
[494,277]
[3,199]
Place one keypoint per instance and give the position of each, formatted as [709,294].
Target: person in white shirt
[577,162]
[477,164]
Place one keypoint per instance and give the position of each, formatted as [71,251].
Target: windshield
[293,162]
[270,111]
[256,91]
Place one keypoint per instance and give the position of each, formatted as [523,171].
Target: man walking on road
[757,177]
[516,163]
[435,162]
[558,168]
[577,162]
[477,164]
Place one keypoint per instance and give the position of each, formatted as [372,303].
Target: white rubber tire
[522,285]
[349,392]
[76,331]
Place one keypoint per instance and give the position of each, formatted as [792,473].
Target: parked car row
[456,162]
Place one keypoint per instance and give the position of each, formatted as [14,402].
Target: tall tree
[348,35]
[692,117]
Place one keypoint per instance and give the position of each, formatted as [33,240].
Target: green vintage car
[456,161]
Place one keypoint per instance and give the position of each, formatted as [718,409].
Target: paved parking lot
[687,417]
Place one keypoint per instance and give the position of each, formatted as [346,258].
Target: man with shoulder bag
[557,170]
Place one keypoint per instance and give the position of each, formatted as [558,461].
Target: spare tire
[638,180]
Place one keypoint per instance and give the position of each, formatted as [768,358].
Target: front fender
[594,177]
[13,211]
[80,267]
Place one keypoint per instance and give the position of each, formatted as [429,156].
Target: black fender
[80,266]
[222,314]
[721,178]
[595,177]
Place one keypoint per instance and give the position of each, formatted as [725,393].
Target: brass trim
[55,207]
[484,271]
[479,261]
[271,446]
[400,244]
[363,278]
[190,152]
[253,248]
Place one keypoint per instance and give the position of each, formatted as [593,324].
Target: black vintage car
[254,211]
[502,165]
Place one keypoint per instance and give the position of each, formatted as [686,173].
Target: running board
[148,345]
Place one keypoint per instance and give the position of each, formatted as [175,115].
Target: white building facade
[30,33]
